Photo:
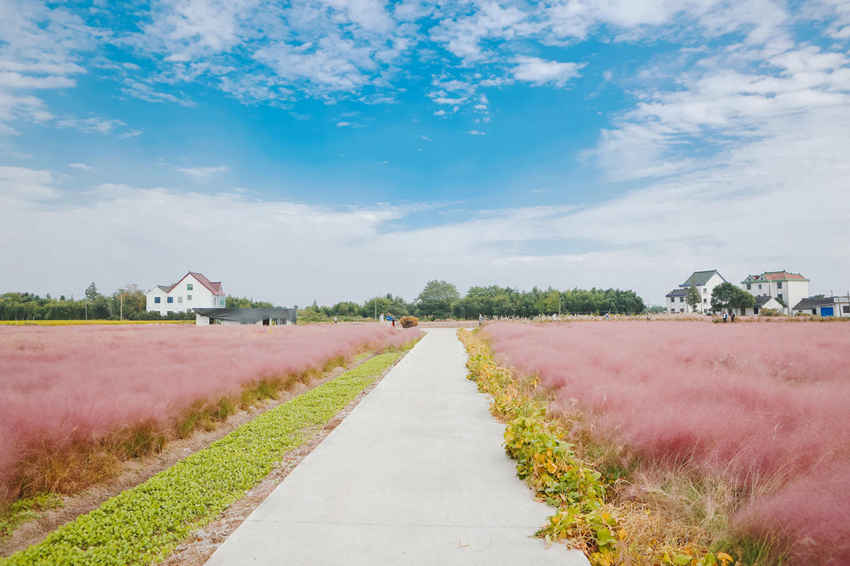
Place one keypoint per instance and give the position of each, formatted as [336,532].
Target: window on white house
[759,286]
[188,297]
[749,286]
[170,300]
[779,285]
[179,299]
[845,309]
[814,311]
[156,300]
[705,300]
[189,287]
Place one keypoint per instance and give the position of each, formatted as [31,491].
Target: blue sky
[331,149]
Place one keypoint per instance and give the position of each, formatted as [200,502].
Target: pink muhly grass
[766,406]
[61,384]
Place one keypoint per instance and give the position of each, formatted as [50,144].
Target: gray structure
[820,305]
[266,317]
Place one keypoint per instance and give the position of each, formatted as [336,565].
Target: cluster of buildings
[195,293]
[780,291]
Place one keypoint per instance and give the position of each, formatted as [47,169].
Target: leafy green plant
[25,509]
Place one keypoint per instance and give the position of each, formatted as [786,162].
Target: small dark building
[267,317]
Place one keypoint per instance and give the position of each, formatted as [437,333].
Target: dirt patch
[136,472]
[205,541]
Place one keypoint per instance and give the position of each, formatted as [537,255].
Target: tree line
[128,303]
[440,299]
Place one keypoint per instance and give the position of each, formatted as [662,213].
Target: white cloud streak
[203,173]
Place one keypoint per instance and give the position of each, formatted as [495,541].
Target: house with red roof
[193,290]
[787,288]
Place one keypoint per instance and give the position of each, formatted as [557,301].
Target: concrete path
[415,475]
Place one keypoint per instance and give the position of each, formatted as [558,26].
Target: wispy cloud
[144,91]
[80,166]
[203,173]
[476,133]
[92,125]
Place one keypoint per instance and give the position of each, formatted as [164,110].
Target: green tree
[727,297]
[693,298]
[436,299]
[91,292]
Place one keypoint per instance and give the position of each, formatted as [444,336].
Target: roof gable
[213,286]
[700,278]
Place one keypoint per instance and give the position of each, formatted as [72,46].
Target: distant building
[787,288]
[819,305]
[191,291]
[763,302]
[266,317]
[704,282]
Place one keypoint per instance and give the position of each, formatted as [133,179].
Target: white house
[704,282]
[193,290]
[763,303]
[787,288]
[820,305]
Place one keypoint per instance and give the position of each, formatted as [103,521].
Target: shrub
[409,321]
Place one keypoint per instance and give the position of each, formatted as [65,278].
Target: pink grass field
[765,405]
[84,381]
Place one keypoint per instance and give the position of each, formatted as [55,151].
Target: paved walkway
[415,475]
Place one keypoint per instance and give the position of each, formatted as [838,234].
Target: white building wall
[707,290]
[189,293]
[796,292]
[675,306]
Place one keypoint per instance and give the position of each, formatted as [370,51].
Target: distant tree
[437,298]
[232,302]
[727,297]
[91,292]
[693,298]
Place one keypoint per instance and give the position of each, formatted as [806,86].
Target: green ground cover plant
[25,509]
[143,524]
[585,518]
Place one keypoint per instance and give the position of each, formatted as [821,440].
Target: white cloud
[203,173]
[80,166]
[144,91]
[39,47]
[19,80]
[24,187]
[647,239]
[542,72]
[343,124]
[92,125]
[476,133]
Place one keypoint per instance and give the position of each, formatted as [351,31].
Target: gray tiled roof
[700,278]
[814,302]
[677,293]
